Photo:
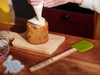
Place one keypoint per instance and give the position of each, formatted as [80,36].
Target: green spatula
[81,46]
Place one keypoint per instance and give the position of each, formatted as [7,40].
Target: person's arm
[91,4]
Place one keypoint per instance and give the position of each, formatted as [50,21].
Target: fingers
[34,2]
[53,3]
[48,3]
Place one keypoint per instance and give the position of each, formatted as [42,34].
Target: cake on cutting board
[37,27]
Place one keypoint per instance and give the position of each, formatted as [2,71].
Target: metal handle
[65,16]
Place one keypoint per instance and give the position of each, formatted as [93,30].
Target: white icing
[38,10]
[13,66]
[35,21]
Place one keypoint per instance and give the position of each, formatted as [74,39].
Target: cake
[37,34]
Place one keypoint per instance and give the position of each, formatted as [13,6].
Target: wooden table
[87,63]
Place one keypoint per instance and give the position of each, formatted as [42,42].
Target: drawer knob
[65,16]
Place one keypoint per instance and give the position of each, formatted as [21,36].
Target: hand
[53,3]
[34,2]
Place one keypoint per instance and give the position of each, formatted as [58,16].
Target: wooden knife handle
[52,60]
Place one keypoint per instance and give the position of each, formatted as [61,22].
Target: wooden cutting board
[19,40]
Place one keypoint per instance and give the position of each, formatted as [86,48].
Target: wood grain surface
[87,63]
[19,40]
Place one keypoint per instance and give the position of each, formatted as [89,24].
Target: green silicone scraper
[81,46]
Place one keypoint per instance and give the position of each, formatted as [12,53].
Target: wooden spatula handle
[52,60]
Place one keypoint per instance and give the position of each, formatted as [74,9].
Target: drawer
[71,23]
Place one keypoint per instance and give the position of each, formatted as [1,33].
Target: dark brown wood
[87,63]
[67,22]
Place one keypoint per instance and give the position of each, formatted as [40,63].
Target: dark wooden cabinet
[71,23]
